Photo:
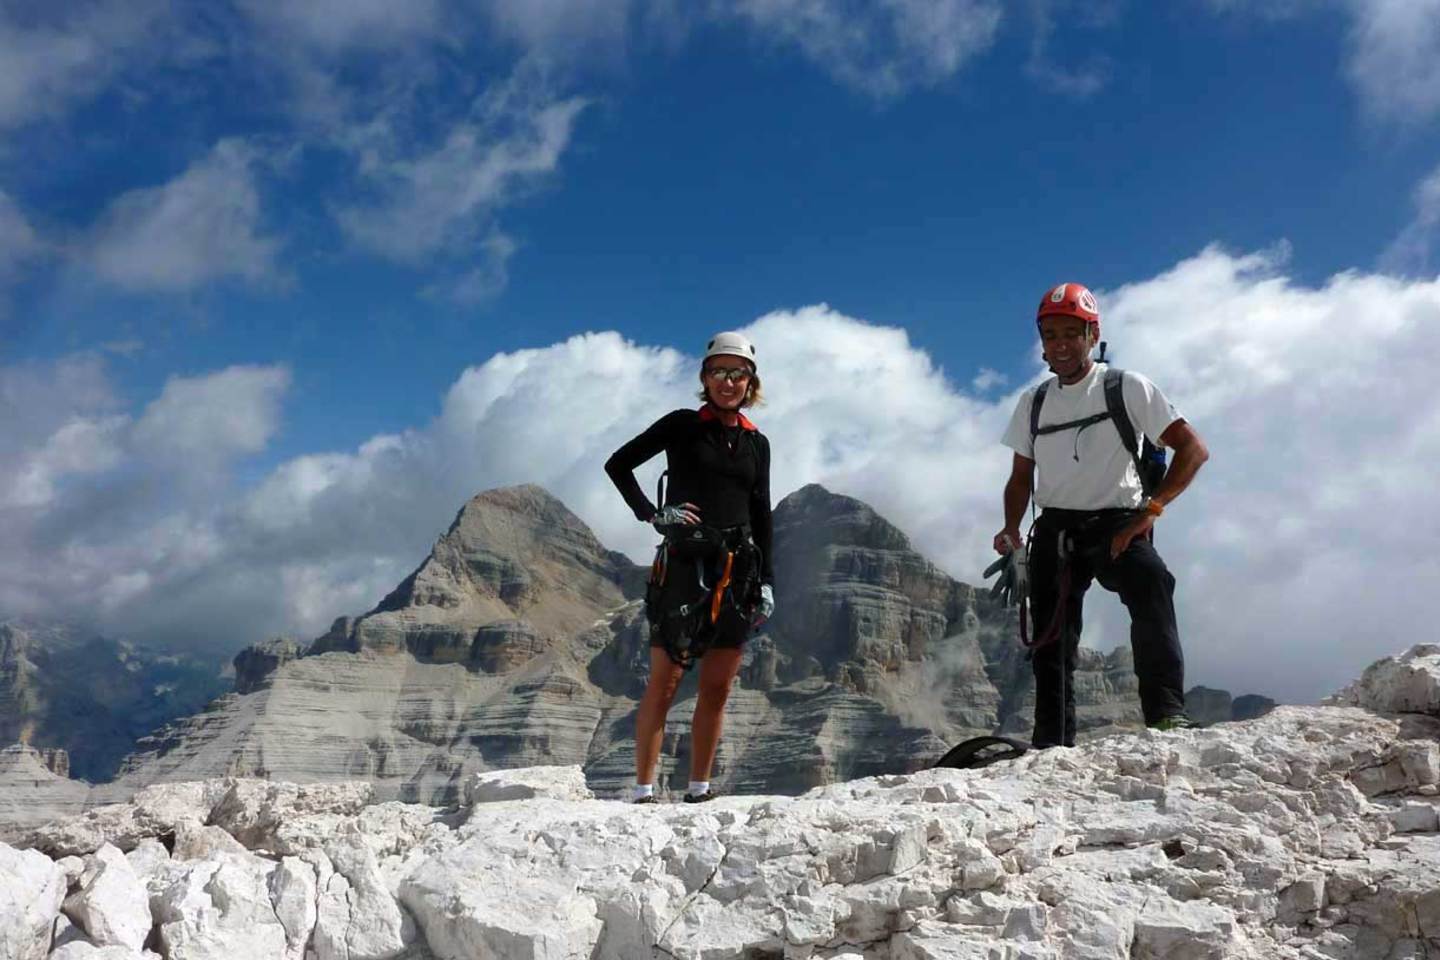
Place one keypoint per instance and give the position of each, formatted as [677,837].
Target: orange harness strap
[721,586]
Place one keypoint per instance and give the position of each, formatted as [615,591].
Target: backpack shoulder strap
[1115,404]
[1035,403]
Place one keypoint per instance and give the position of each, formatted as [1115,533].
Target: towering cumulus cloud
[1312,399]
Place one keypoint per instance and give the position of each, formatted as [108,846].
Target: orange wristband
[1154,507]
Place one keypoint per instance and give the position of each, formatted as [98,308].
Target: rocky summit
[520,640]
[1312,832]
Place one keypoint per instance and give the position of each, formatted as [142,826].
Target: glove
[766,607]
[675,515]
[1013,586]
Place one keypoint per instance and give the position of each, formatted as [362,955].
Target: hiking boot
[1178,722]
[649,799]
[707,795]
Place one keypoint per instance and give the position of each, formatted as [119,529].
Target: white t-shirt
[1088,469]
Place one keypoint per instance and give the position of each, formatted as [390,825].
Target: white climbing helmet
[730,344]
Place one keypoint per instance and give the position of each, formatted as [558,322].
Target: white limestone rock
[153,812]
[293,893]
[220,909]
[80,950]
[147,857]
[556,783]
[196,842]
[32,889]
[112,905]
[65,931]
[388,829]
[72,867]
[357,916]
[253,810]
[1409,683]
[1308,833]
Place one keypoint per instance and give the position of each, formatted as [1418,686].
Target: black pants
[1145,586]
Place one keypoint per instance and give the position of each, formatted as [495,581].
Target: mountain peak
[512,553]
[839,520]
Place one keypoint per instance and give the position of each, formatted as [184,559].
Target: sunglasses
[730,374]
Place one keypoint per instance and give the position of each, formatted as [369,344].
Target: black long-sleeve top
[724,471]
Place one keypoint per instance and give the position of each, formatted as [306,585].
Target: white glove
[1013,585]
[675,515]
[767,605]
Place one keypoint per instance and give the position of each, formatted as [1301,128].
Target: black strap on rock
[980,752]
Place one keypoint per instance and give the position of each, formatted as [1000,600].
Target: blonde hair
[754,394]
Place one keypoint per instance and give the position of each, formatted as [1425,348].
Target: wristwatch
[1152,507]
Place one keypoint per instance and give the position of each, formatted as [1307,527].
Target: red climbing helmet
[1070,300]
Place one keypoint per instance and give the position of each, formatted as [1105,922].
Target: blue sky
[706,184]
[327,221]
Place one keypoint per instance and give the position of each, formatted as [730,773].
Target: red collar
[707,412]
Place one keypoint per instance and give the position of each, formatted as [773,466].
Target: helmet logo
[1087,302]
[1058,294]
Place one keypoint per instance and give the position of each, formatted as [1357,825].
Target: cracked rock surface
[1309,833]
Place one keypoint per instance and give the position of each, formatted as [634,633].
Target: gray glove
[675,515]
[767,605]
[1013,586]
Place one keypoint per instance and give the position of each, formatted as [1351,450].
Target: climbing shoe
[707,795]
[1177,722]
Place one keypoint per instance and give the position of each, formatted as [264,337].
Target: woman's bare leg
[650,718]
[717,670]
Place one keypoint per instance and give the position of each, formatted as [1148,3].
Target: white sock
[698,787]
[643,790]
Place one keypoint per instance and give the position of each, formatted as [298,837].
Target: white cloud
[1073,67]
[883,49]
[1409,253]
[18,241]
[565,28]
[987,380]
[1304,550]
[59,421]
[335,26]
[204,225]
[52,56]
[106,514]
[208,420]
[1393,49]
[1395,57]
[440,201]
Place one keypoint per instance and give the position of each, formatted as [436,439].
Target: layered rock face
[1312,832]
[520,641]
[90,697]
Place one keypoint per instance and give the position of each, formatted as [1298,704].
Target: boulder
[112,905]
[253,810]
[220,909]
[556,783]
[1409,683]
[152,812]
[32,888]
[357,916]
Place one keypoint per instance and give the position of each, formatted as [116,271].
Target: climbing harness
[726,566]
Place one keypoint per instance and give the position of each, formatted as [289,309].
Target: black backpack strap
[1035,410]
[1115,403]
[1080,424]
[1149,459]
